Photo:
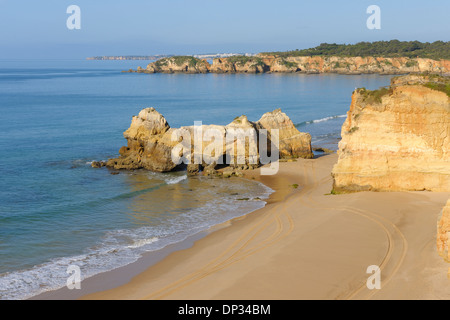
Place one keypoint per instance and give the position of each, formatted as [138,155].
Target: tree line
[394,48]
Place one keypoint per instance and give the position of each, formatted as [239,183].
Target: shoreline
[122,275]
[309,245]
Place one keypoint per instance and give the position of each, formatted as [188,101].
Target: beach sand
[307,244]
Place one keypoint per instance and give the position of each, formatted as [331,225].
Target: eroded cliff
[397,138]
[443,233]
[263,63]
[184,64]
[355,65]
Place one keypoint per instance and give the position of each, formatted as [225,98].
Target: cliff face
[396,138]
[151,142]
[443,233]
[185,64]
[238,65]
[356,65]
[315,64]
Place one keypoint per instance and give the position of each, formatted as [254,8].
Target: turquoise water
[58,116]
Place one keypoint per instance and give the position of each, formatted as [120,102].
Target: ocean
[59,116]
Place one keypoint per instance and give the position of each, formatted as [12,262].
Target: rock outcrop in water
[239,64]
[152,143]
[184,64]
[397,138]
[355,65]
[443,233]
[263,63]
[149,144]
[292,142]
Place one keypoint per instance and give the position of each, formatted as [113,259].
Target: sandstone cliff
[239,64]
[292,143]
[355,65]
[185,64]
[443,233]
[397,138]
[264,63]
[152,143]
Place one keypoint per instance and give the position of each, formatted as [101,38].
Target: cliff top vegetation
[394,48]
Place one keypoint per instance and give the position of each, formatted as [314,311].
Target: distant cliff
[443,233]
[263,63]
[355,65]
[397,138]
[184,64]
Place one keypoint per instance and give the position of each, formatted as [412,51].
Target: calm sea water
[58,116]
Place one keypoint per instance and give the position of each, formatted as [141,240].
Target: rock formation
[149,144]
[397,138]
[239,64]
[293,143]
[356,65]
[263,63]
[443,233]
[185,64]
[152,143]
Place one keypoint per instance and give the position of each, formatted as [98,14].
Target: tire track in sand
[246,245]
[282,225]
[397,243]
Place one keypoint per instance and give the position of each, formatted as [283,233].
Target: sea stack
[151,143]
[397,138]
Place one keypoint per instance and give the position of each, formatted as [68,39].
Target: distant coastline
[381,57]
[162,56]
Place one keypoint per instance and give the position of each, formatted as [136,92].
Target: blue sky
[37,29]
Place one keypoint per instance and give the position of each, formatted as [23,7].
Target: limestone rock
[98,164]
[292,143]
[152,143]
[148,122]
[443,233]
[284,65]
[242,142]
[210,170]
[185,64]
[355,65]
[193,169]
[239,64]
[396,138]
[305,64]
[149,144]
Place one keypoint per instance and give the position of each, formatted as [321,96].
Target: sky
[37,29]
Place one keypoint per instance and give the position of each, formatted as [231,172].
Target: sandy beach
[307,244]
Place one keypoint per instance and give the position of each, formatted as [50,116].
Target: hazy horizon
[30,29]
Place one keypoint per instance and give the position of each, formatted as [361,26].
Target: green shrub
[374,96]
[353,129]
[411,63]
[288,64]
[444,87]
[242,60]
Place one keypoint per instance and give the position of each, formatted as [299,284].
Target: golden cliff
[263,63]
[184,64]
[355,65]
[239,64]
[443,233]
[397,138]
